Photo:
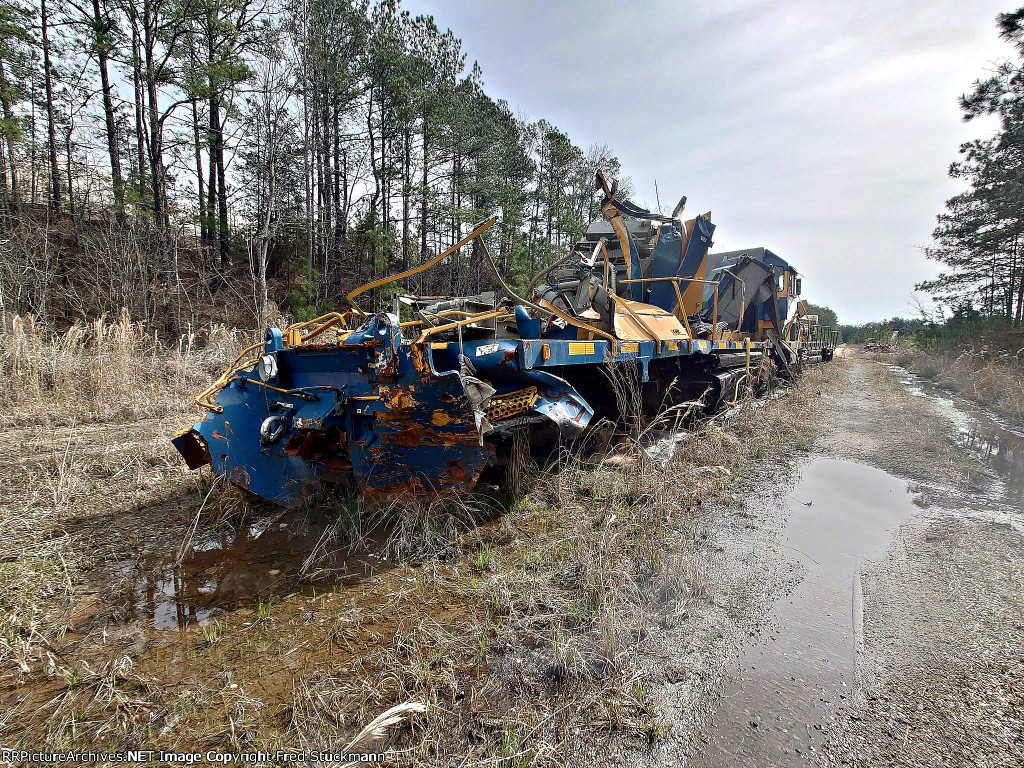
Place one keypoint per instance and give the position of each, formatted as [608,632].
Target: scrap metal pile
[421,407]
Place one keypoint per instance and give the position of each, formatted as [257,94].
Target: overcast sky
[820,130]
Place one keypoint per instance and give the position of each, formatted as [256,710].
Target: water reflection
[980,433]
[784,685]
[1003,451]
[244,566]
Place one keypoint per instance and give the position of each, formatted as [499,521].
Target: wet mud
[812,671]
[982,434]
[784,686]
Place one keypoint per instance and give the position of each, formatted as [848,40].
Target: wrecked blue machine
[421,407]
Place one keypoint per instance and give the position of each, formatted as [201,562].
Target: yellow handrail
[503,314]
[549,307]
[203,398]
[292,337]
[293,333]
[479,230]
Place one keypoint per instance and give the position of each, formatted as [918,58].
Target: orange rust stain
[419,360]
[396,398]
[218,435]
[440,418]
[409,437]
[315,444]
[455,473]
[414,434]
[240,477]
[397,489]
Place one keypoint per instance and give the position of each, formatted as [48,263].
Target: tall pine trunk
[217,195]
[113,151]
[67,157]
[223,231]
[339,219]
[156,150]
[213,120]
[424,192]
[50,127]
[216,199]
[5,102]
[140,131]
[406,187]
[198,149]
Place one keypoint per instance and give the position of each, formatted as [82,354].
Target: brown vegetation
[992,376]
[515,628]
[103,370]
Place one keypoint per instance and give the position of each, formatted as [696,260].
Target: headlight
[267,368]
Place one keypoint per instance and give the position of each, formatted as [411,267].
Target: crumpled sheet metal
[478,393]
[390,427]
[371,409]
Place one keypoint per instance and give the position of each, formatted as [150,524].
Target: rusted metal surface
[193,448]
[420,408]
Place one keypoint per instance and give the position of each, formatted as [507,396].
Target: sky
[821,130]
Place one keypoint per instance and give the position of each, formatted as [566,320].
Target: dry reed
[991,378]
[104,370]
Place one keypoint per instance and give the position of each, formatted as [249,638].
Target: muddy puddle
[987,438]
[786,683]
[250,565]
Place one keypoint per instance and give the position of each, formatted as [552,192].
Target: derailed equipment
[757,275]
[422,407]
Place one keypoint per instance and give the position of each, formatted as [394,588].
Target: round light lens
[267,368]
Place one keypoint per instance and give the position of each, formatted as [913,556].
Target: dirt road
[885,616]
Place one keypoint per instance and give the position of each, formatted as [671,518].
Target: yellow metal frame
[204,398]
[477,231]
[682,310]
[291,336]
[500,314]
[548,306]
[619,301]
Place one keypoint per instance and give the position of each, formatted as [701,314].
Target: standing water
[782,687]
[989,439]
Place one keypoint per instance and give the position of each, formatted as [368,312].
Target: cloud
[821,130]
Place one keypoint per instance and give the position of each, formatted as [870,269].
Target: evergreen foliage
[287,151]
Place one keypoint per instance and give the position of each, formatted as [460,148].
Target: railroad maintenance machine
[419,408]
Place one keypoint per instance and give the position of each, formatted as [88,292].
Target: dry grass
[576,573]
[918,444]
[513,629]
[105,370]
[88,479]
[992,379]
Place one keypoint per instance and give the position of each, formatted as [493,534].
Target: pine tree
[980,235]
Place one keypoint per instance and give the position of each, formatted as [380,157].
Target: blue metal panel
[636,271]
[526,327]
[696,248]
[361,408]
[668,255]
[236,450]
[392,416]
[561,403]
